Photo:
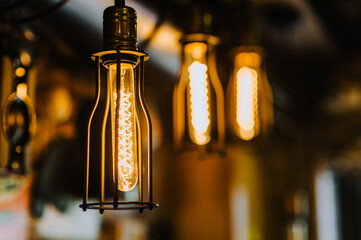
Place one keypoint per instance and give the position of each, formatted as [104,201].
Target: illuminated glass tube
[247,118]
[198,98]
[198,94]
[123,122]
[249,96]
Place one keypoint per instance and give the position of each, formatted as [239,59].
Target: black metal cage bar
[86,169]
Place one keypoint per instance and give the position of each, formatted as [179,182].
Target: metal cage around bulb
[198,98]
[118,59]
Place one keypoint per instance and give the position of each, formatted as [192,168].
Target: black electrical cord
[119,3]
[38,15]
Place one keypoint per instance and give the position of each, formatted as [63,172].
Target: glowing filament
[124,129]
[199,103]
[246,103]
[125,154]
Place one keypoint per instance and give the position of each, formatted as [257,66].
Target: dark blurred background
[301,182]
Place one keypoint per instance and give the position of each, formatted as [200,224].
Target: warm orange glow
[29,35]
[246,103]
[199,103]
[22,91]
[20,72]
[199,94]
[124,128]
[250,95]
[198,97]
[250,59]
[25,58]
[16,119]
[61,105]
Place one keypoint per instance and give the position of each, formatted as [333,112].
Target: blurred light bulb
[199,103]
[246,103]
[22,91]
[61,108]
[123,121]
[198,94]
[250,102]
[20,72]
[198,98]
[29,35]
[25,58]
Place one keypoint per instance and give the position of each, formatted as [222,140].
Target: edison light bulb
[198,94]
[251,105]
[123,122]
[247,103]
[198,98]
[246,94]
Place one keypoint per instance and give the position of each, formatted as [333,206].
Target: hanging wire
[161,17]
[119,3]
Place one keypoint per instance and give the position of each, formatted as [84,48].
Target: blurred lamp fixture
[19,119]
[249,95]
[198,99]
[130,119]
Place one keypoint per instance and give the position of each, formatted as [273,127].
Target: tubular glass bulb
[123,122]
[198,93]
[247,67]
[246,103]
[250,101]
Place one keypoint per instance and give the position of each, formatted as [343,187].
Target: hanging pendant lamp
[130,123]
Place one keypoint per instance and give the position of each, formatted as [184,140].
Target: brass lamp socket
[120,28]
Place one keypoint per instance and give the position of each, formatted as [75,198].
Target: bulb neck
[120,28]
[199,20]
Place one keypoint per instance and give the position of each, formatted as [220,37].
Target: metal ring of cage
[119,56]
[123,205]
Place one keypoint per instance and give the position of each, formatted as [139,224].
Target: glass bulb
[246,95]
[246,103]
[198,93]
[123,122]
[198,98]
